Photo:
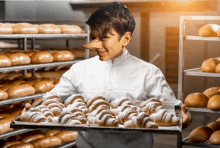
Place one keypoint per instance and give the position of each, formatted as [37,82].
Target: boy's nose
[94,44]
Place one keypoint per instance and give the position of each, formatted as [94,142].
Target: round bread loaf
[196,100]
[67,136]
[215,138]
[41,57]
[4,61]
[62,56]
[19,59]
[70,29]
[217,68]
[5,29]
[3,95]
[214,102]
[200,134]
[20,90]
[209,65]
[214,125]
[209,30]
[211,91]
[24,28]
[48,29]
[43,86]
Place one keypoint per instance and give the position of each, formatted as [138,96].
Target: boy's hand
[186,117]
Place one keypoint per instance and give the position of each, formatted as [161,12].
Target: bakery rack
[195,71]
[33,37]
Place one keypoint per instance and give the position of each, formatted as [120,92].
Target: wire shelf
[198,72]
[13,133]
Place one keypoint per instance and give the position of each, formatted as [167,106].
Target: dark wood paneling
[145,34]
[172,54]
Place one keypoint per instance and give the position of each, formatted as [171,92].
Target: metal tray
[31,66]
[206,110]
[67,145]
[205,144]
[12,100]
[56,126]
[13,133]
[198,72]
[43,36]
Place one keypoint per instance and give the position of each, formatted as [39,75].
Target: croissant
[164,118]
[90,101]
[142,120]
[150,100]
[78,113]
[116,111]
[74,98]
[120,101]
[152,107]
[36,117]
[66,117]
[126,115]
[57,98]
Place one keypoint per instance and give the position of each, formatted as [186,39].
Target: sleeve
[65,87]
[157,87]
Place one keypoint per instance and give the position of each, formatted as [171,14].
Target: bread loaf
[5,29]
[20,91]
[46,142]
[196,100]
[200,134]
[42,86]
[215,138]
[209,30]
[62,56]
[21,145]
[24,28]
[30,138]
[19,59]
[70,29]
[217,68]
[211,91]
[5,126]
[4,61]
[48,29]
[7,144]
[209,65]
[67,136]
[56,81]
[3,95]
[41,57]
[214,102]
[214,126]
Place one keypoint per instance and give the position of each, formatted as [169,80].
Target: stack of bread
[38,139]
[210,132]
[27,28]
[210,98]
[209,30]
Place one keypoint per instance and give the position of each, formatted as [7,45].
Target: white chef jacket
[126,76]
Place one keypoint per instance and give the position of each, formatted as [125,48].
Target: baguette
[67,136]
[46,142]
[24,28]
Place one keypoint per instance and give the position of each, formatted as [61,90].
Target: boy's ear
[126,38]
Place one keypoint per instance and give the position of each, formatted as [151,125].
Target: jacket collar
[119,59]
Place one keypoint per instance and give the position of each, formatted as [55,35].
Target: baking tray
[13,133]
[206,110]
[88,127]
[206,144]
[198,72]
[43,36]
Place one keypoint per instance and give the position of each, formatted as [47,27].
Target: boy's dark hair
[111,16]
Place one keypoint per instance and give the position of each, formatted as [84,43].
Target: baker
[115,73]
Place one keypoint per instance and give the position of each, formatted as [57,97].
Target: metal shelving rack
[194,71]
[33,38]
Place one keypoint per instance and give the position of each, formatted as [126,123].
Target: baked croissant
[164,118]
[74,98]
[78,113]
[126,115]
[120,101]
[142,120]
[116,111]
[36,117]
[67,117]
[95,102]
[152,107]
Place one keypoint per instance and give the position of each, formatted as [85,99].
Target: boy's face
[108,47]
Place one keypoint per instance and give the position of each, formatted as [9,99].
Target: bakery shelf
[31,66]
[13,133]
[200,38]
[43,36]
[206,110]
[12,100]
[67,145]
[206,144]
[198,72]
